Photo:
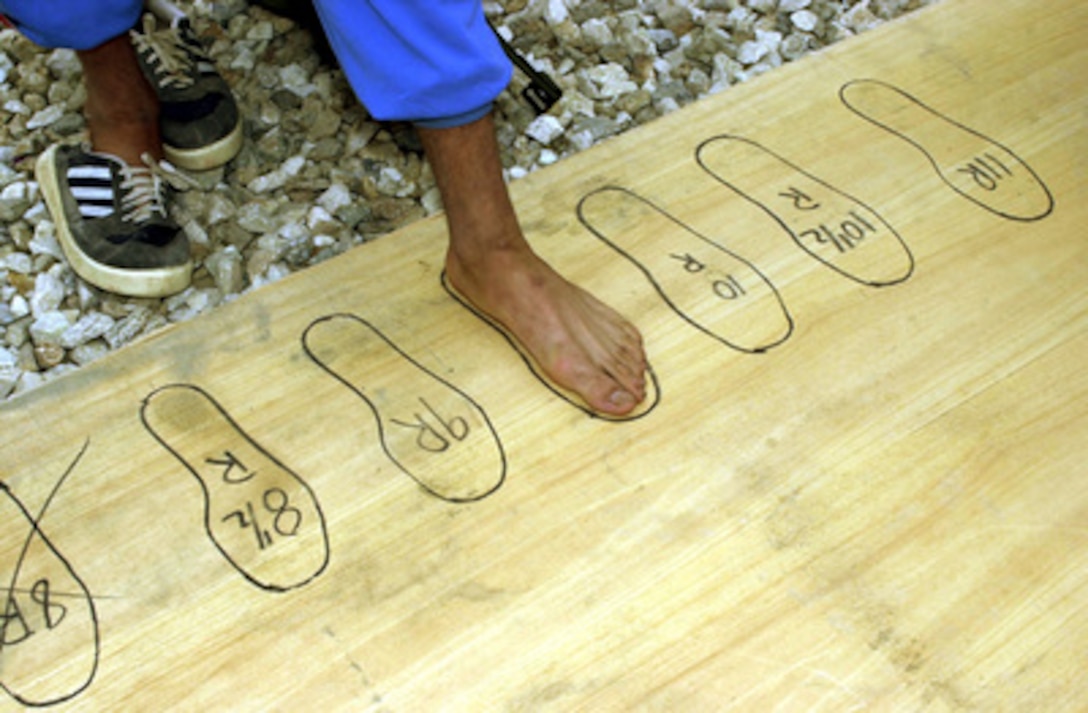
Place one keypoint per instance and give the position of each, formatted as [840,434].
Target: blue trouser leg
[72,24]
[432,62]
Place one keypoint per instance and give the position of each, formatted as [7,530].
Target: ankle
[128,138]
[495,261]
[121,108]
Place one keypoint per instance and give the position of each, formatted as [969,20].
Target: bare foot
[581,344]
[578,342]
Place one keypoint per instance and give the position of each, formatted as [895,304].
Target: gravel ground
[317,176]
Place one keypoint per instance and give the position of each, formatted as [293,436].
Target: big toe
[610,397]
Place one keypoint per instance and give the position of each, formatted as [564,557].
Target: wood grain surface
[862,283]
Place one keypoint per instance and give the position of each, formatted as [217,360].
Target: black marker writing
[986,171]
[800,199]
[429,438]
[228,463]
[847,236]
[27,617]
[286,519]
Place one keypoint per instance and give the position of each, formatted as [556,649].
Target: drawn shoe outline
[437,435]
[41,617]
[856,241]
[697,256]
[989,175]
[648,403]
[262,517]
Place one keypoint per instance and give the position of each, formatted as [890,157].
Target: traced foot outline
[980,169]
[262,517]
[700,258]
[12,613]
[434,432]
[653,390]
[832,226]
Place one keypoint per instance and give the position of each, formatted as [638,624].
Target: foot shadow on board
[975,166]
[834,228]
[49,636]
[263,518]
[431,430]
[711,288]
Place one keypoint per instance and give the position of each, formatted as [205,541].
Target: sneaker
[200,123]
[111,222]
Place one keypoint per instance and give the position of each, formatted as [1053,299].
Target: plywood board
[861,280]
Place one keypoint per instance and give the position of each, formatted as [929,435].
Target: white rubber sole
[207,157]
[151,282]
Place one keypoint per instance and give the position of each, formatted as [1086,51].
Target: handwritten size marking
[13,617]
[228,463]
[986,171]
[799,199]
[37,628]
[832,226]
[274,502]
[432,431]
[261,516]
[698,277]
[847,236]
[429,438]
[972,164]
[281,512]
[727,287]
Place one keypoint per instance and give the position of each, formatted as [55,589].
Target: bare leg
[582,344]
[122,110]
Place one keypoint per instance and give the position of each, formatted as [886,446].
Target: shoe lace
[167,53]
[143,188]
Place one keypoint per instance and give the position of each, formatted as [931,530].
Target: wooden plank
[863,485]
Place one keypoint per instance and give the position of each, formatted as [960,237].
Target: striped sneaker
[199,120]
[112,224]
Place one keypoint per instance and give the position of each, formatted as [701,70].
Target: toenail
[621,399]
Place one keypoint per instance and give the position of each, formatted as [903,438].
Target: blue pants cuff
[448,122]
